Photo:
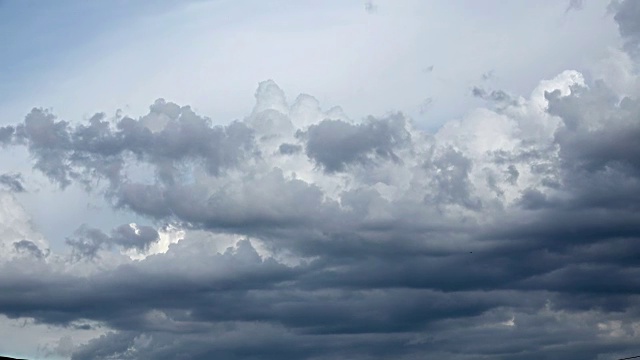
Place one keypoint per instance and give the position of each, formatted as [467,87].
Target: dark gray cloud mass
[64,153]
[509,234]
[334,144]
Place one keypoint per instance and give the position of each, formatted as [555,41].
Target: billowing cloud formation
[511,233]
[334,143]
[169,134]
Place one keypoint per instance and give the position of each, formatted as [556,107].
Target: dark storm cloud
[392,279]
[352,239]
[335,144]
[253,204]
[13,182]
[168,282]
[613,144]
[156,299]
[246,341]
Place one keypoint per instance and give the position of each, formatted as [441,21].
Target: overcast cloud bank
[298,232]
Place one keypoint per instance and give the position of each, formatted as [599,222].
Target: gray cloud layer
[627,14]
[510,234]
[12,181]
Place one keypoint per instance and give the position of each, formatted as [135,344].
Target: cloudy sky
[342,179]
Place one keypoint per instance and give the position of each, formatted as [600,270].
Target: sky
[354,179]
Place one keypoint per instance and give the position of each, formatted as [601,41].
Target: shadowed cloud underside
[298,232]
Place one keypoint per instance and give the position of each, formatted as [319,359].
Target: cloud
[30,248]
[289,149]
[87,242]
[302,233]
[334,144]
[64,153]
[5,134]
[18,237]
[13,182]
[397,233]
[498,96]
[575,5]
[626,15]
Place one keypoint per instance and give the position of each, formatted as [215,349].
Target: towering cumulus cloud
[300,233]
